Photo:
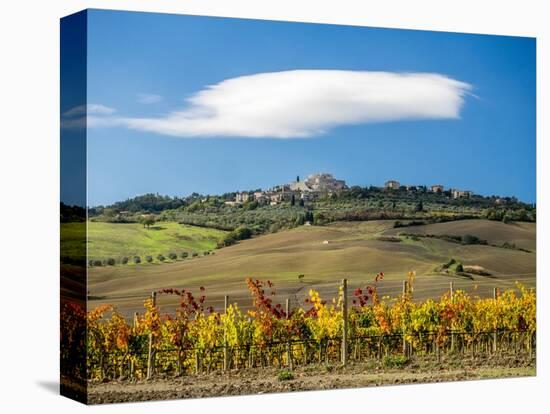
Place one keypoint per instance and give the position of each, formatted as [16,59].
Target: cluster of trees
[421,193]
[147,220]
[354,204]
[507,214]
[148,258]
[416,196]
[152,203]
[240,233]
[465,239]
[259,220]
[70,214]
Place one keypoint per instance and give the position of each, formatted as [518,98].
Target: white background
[29,193]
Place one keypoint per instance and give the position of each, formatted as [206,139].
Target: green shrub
[172,256]
[449,263]
[195,254]
[240,233]
[149,259]
[161,258]
[111,261]
[285,376]
[395,361]
[97,263]
[137,259]
[184,255]
[124,260]
[392,239]
[471,239]
[329,368]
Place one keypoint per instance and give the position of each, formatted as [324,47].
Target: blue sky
[143,68]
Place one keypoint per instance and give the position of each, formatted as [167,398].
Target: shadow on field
[51,386]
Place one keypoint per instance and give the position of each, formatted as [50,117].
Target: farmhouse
[436,188]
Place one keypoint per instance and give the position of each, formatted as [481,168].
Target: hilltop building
[392,185]
[461,193]
[300,186]
[314,186]
[242,197]
[324,183]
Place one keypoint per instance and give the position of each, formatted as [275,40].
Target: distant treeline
[150,203]
[354,204]
[71,213]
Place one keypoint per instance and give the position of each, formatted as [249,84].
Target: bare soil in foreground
[313,377]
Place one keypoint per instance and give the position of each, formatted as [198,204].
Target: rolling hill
[324,255]
[116,240]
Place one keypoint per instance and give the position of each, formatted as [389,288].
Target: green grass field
[325,255]
[115,240]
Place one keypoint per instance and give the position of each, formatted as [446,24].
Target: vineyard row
[198,339]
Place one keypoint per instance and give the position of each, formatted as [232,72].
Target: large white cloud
[306,103]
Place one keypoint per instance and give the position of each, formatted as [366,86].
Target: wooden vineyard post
[452,291]
[197,362]
[288,346]
[250,358]
[151,353]
[403,331]
[495,335]
[132,366]
[344,321]
[225,350]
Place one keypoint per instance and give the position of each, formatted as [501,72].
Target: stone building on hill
[242,197]
[392,185]
[461,193]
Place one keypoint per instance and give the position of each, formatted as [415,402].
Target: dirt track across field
[313,377]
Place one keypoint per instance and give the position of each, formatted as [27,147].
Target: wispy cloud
[147,98]
[90,109]
[90,115]
[305,103]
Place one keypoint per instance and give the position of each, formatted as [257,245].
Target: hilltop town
[315,186]
[321,198]
[320,185]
